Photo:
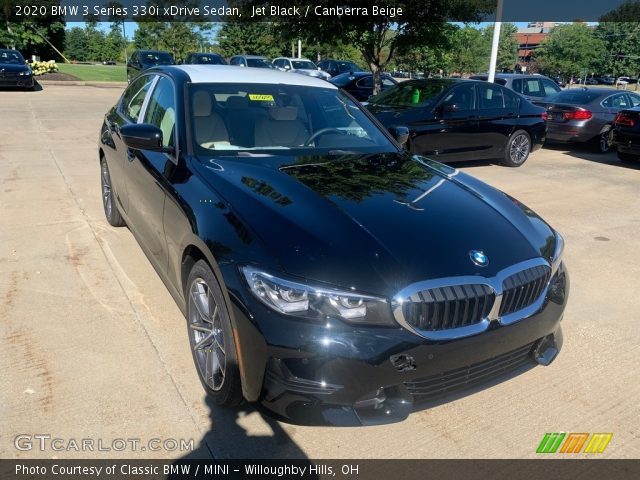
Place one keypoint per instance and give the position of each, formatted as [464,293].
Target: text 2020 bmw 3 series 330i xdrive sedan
[322,270]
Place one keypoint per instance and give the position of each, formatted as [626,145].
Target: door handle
[131,155]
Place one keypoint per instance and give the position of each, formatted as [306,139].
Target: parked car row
[141,60]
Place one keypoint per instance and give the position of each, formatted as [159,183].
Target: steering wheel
[321,132]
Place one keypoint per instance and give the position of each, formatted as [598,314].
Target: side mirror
[401,134]
[287,67]
[450,108]
[142,136]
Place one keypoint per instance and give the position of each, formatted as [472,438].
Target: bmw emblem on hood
[479,258]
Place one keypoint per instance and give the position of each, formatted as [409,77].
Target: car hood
[13,68]
[376,223]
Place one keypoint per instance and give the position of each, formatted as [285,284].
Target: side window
[634,99]
[280,63]
[517,85]
[533,88]
[386,82]
[161,111]
[365,82]
[461,97]
[134,96]
[233,61]
[511,100]
[549,87]
[620,101]
[489,97]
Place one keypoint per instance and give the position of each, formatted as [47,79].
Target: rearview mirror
[400,133]
[142,136]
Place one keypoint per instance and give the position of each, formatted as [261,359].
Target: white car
[300,65]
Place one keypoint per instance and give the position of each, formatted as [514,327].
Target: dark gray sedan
[585,114]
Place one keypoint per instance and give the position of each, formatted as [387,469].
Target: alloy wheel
[519,149]
[205,334]
[107,198]
[604,142]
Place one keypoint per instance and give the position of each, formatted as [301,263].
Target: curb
[82,83]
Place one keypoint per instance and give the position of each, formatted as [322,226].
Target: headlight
[557,253]
[28,72]
[316,303]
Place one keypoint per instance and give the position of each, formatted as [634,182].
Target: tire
[108,198]
[517,149]
[600,143]
[627,157]
[211,337]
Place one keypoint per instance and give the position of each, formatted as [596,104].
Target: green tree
[35,35]
[380,38]
[75,44]
[178,38]
[252,38]
[469,51]
[620,31]
[571,50]
[507,48]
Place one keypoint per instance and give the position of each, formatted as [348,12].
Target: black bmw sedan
[14,71]
[625,135]
[323,271]
[453,120]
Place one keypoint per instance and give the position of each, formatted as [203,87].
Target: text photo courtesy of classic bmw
[323,270]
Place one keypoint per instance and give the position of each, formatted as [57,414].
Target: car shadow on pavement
[583,152]
[229,439]
[36,88]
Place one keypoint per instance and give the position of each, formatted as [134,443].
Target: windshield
[411,93]
[210,60]
[259,63]
[572,97]
[348,67]
[280,119]
[11,57]
[303,64]
[157,58]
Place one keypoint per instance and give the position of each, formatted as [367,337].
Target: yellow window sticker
[260,98]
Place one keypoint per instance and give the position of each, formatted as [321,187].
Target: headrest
[284,113]
[201,103]
[237,101]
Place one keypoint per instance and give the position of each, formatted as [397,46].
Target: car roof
[249,56]
[232,74]
[142,50]
[293,58]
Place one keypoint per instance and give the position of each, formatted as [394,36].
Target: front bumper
[341,375]
[19,81]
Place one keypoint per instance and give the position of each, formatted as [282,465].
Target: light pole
[496,41]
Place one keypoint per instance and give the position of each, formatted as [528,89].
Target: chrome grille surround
[536,268]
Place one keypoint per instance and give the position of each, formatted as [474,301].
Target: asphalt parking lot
[93,346]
